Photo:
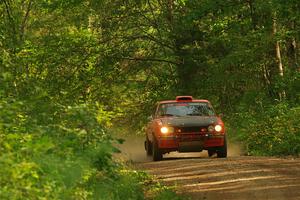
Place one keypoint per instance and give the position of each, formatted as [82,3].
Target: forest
[74,71]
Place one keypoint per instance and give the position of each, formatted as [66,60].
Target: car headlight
[218,128]
[166,130]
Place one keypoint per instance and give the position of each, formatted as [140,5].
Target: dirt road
[236,177]
[240,177]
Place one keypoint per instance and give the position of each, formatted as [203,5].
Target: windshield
[185,109]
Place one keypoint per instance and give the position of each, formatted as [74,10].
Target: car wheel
[211,153]
[156,153]
[222,151]
[148,147]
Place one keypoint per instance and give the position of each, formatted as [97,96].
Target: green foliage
[70,69]
[273,131]
[124,185]
[156,190]
[165,193]
[277,133]
[59,152]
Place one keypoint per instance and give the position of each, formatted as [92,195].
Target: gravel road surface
[196,176]
[241,177]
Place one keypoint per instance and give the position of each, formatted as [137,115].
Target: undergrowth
[273,131]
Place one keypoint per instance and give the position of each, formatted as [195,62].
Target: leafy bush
[53,151]
[276,131]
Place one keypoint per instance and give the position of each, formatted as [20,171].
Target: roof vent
[184,98]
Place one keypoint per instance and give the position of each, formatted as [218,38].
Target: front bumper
[190,142]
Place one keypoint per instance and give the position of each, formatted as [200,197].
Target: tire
[148,147]
[222,151]
[156,153]
[211,153]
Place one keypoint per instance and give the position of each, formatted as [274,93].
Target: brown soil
[240,177]
[236,177]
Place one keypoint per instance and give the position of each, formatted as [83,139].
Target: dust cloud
[235,149]
[133,150]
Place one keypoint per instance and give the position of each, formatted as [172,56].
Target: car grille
[196,129]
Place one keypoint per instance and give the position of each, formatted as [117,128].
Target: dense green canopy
[70,69]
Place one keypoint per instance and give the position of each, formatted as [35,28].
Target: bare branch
[25,19]
[146,59]
[10,17]
[148,37]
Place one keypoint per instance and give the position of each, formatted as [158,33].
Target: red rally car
[185,125]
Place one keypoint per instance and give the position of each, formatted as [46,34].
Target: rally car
[185,125]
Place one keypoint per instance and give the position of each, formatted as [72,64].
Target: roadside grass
[153,189]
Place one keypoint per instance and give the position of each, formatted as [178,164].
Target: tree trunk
[292,50]
[281,93]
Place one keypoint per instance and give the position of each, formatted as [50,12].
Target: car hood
[189,121]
